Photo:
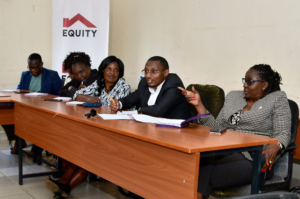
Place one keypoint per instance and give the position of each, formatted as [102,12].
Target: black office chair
[283,168]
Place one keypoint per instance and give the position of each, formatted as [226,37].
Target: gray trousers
[226,171]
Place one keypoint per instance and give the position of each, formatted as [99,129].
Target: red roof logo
[69,22]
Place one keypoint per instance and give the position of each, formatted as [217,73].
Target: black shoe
[57,195]
[55,186]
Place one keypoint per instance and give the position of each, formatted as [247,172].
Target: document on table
[4,95]
[35,94]
[146,118]
[127,112]
[8,91]
[63,98]
[74,103]
[124,115]
[116,117]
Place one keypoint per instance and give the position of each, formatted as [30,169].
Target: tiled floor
[36,188]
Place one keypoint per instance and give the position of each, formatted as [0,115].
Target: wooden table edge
[171,146]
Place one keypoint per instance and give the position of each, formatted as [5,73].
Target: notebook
[173,123]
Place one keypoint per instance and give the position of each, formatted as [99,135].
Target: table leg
[20,161]
[256,171]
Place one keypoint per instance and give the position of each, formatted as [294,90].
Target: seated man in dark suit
[39,79]
[157,93]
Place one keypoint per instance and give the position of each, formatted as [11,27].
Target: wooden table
[150,161]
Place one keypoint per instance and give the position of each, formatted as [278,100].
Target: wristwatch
[281,146]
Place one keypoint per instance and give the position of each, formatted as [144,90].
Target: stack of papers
[63,98]
[35,94]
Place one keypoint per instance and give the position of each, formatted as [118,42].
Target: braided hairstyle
[265,72]
[108,60]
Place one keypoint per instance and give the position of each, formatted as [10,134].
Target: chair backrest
[212,98]
[295,117]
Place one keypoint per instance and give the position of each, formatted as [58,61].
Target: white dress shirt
[154,94]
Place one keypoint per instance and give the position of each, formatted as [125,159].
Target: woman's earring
[263,88]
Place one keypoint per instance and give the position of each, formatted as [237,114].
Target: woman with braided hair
[79,65]
[261,109]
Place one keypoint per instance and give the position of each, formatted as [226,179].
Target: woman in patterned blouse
[109,83]
[260,109]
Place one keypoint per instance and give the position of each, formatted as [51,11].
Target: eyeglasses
[152,72]
[250,81]
[109,70]
[33,68]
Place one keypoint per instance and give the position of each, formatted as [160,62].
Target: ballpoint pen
[114,102]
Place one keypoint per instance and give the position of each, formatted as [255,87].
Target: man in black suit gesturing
[157,93]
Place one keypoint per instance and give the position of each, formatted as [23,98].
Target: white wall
[25,27]
[211,41]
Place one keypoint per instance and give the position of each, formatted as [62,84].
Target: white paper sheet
[170,122]
[127,112]
[74,103]
[9,91]
[116,117]
[4,95]
[64,98]
[146,118]
[35,94]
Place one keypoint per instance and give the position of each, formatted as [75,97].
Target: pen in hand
[114,102]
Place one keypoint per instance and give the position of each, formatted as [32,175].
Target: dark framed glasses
[250,81]
[152,72]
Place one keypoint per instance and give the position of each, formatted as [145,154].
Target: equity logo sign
[67,23]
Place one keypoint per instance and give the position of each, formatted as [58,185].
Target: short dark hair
[266,73]
[103,65]
[35,56]
[162,60]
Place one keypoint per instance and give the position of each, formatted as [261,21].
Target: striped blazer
[269,116]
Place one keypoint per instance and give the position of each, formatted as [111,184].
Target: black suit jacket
[64,92]
[170,103]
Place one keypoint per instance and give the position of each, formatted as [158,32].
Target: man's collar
[157,89]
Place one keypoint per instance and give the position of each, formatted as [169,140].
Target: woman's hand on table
[270,152]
